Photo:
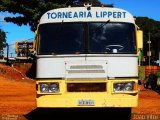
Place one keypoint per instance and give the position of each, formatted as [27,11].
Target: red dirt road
[17,96]
[149,102]
[17,92]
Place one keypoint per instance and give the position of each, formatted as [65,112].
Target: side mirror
[139,39]
[140,46]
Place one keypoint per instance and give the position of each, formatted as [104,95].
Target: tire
[146,85]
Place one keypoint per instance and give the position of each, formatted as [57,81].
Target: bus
[87,57]
[24,50]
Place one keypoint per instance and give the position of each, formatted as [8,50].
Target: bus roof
[81,14]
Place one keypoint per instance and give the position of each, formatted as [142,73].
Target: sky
[143,8]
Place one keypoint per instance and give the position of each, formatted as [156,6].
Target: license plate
[86,102]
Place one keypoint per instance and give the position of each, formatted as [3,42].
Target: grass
[141,72]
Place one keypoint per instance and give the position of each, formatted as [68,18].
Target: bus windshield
[87,38]
[61,38]
[112,38]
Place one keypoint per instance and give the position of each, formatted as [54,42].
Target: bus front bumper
[87,100]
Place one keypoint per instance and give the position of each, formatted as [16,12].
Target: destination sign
[88,14]
[81,14]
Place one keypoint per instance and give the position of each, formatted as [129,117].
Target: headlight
[128,87]
[123,87]
[118,87]
[49,87]
[54,87]
[44,88]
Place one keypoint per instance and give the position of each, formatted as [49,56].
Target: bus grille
[86,87]
[86,69]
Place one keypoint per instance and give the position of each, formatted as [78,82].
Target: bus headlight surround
[123,87]
[49,87]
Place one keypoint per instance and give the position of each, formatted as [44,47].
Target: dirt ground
[149,102]
[17,92]
[17,96]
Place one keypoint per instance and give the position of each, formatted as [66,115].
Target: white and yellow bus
[87,58]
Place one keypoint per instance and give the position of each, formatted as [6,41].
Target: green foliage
[2,39]
[158,74]
[141,72]
[152,26]
[30,11]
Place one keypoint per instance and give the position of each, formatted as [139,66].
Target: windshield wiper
[100,26]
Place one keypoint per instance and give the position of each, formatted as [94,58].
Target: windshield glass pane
[112,38]
[61,38]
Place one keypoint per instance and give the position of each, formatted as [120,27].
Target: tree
[152,26]
[30,11]
[2,41]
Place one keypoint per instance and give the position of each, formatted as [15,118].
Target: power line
[30,39]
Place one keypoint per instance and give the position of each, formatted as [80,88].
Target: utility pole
[149,45]
[27,54]
[7,62]
[159,58]
[11,54]
[159,53]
